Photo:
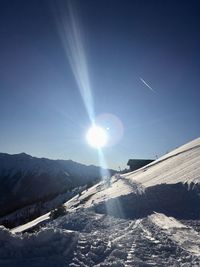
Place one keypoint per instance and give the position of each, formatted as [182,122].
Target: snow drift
[170,185]
[49,245]
[137,235]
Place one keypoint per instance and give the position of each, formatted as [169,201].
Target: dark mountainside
[26,180]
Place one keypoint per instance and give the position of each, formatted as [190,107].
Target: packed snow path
[87,239]
[105,241]
[130,243]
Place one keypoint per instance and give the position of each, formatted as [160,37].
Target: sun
[97,137]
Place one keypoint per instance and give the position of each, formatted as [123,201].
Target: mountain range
[25,180]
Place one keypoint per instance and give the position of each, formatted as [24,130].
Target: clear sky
[143,64]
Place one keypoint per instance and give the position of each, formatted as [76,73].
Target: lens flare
[113,125]
[97,137]
[73,41]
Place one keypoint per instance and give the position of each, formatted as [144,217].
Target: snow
[47,247]
[181,165]
[184,236]
[43,207]
[165,222]
[27,183]
[30,224]
[117,188]
[86,238]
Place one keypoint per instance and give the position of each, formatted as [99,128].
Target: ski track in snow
[131,243]
[83,238]
[102,241]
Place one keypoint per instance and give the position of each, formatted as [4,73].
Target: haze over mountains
[25,180]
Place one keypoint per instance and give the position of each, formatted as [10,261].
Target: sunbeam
[103,164]
[71,36]
[72,39]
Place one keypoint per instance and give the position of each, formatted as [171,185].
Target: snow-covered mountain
[25,180]
[150,217]
[170,184]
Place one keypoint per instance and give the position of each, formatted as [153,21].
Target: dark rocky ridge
[25,180]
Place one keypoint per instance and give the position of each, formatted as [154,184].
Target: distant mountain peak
[24,154]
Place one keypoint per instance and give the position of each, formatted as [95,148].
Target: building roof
[139,161]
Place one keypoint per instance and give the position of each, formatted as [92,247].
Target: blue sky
[41,109]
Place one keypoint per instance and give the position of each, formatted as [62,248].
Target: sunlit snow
[149,217]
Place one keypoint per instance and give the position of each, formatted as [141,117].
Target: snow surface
[27,182]
[40,207]
[86,238]
[179,166]
[47,247]
[31,224]
[183,235]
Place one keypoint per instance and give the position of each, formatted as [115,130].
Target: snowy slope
[186,237]
[180,165]
[171,185]
[155,221]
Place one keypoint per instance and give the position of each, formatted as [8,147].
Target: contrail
[145,83]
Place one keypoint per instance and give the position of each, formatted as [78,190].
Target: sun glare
[97,137]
